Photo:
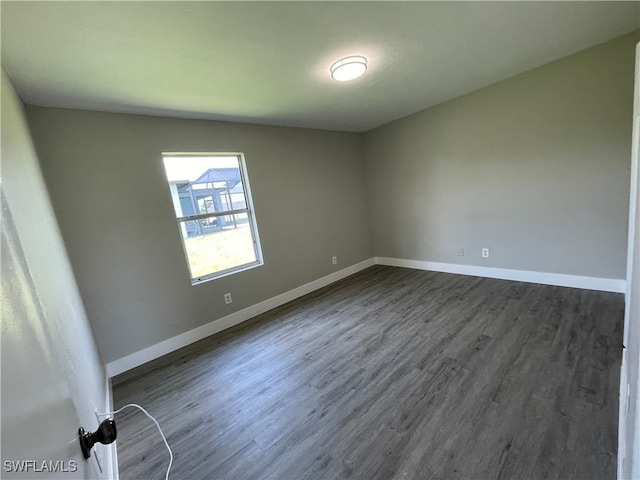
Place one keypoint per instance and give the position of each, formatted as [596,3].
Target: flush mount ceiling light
[348,68]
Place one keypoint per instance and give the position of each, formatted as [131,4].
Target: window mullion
[200,216]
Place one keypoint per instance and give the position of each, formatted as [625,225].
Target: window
[212,201]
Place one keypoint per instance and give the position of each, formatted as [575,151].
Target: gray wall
[535,167]
[52,376]
[109,190]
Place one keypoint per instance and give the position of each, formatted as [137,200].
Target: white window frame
[249,210]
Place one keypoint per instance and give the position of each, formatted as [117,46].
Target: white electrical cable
[157,425]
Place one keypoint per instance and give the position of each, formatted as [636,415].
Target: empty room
[320,240]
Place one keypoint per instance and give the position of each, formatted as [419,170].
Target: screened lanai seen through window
[212,202]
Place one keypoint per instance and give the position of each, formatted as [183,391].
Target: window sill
[225,273]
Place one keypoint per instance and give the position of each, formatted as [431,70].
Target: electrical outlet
[485,252]
[227,298]
[334,260]
[461,252]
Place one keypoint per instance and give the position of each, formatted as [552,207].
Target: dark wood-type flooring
[390,373]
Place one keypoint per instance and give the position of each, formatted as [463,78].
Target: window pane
[205,184]
[218,243]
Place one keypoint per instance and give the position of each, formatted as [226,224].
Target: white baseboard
[557,279]
[167,346]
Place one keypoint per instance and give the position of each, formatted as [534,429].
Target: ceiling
[268,62]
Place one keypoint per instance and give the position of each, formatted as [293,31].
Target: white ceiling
[268,62]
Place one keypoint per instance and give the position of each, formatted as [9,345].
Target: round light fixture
[348,68]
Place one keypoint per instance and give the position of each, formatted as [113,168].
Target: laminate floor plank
[391,373]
